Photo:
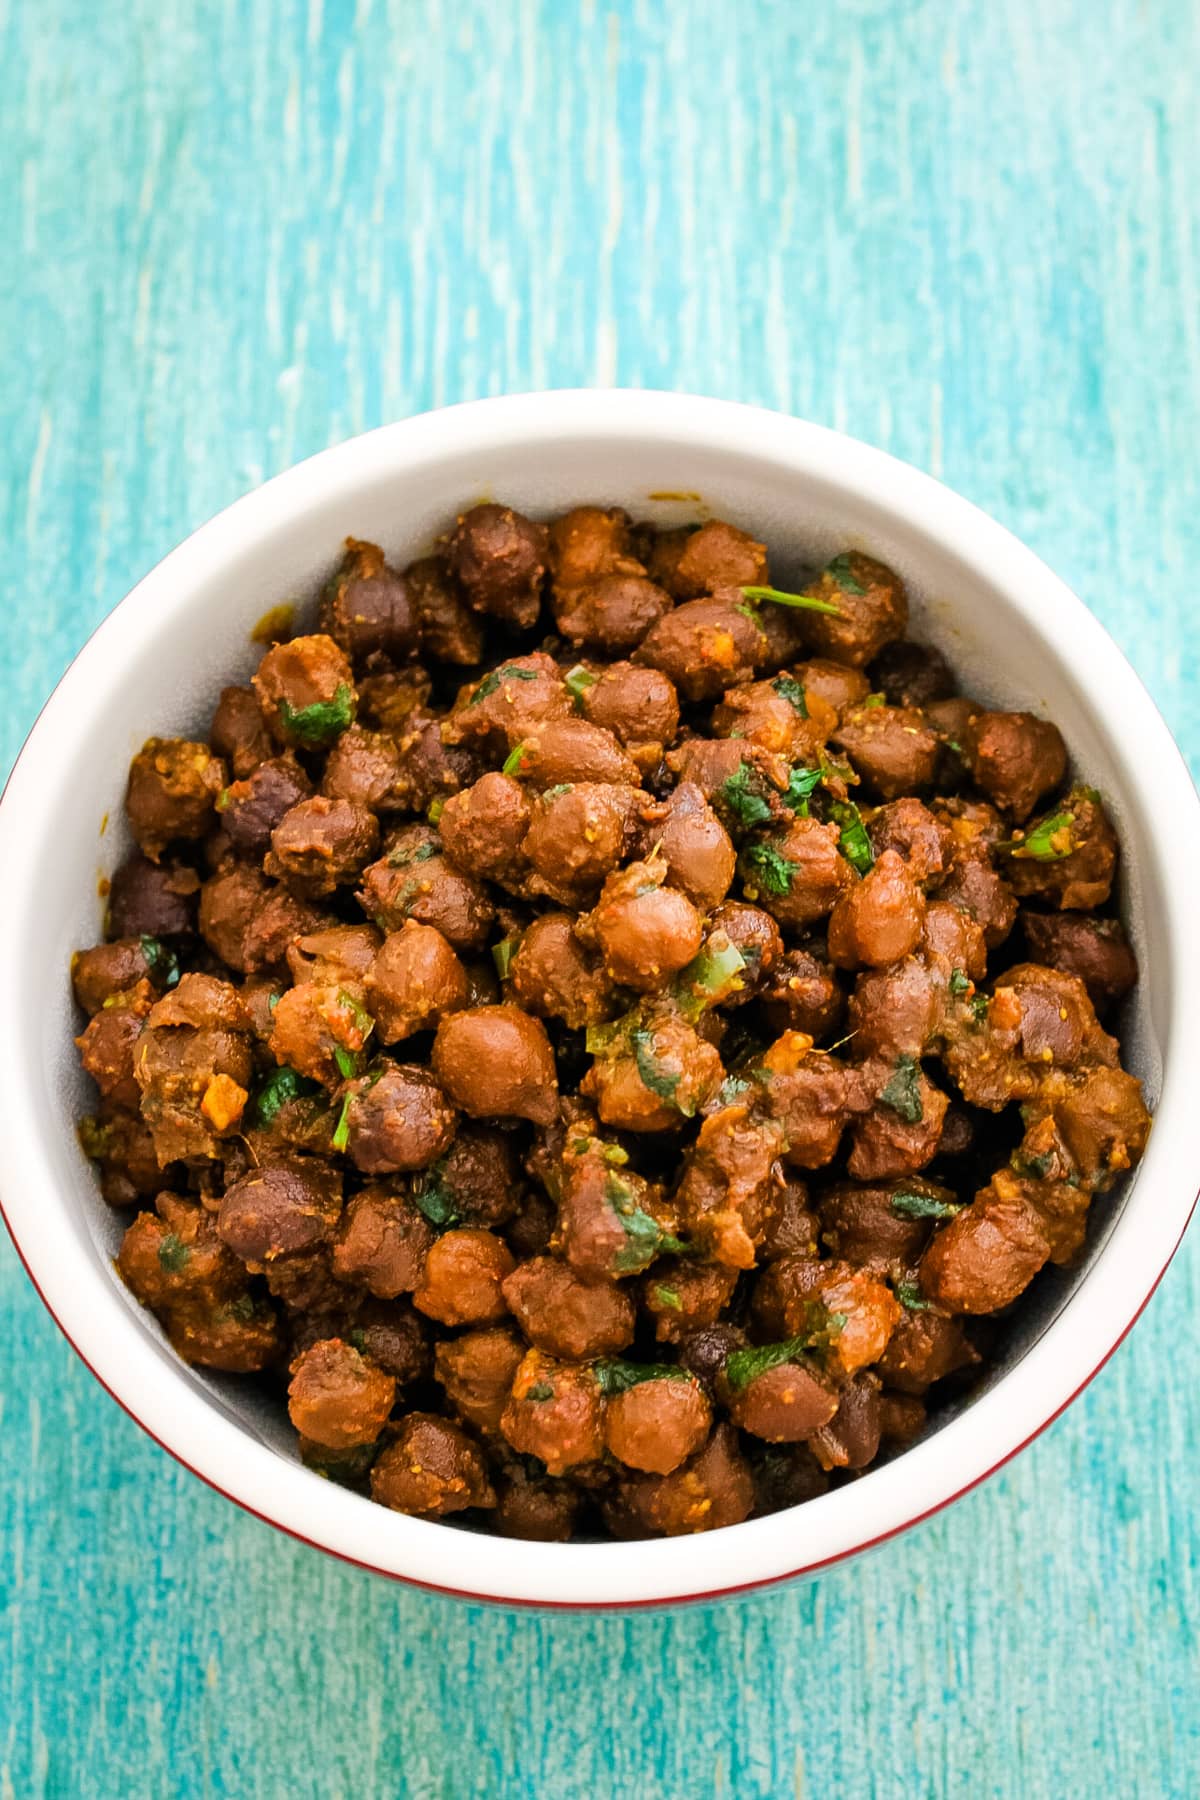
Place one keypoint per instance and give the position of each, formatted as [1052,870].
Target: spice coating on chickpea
[564,1031]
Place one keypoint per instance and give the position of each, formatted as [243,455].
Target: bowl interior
[158,664]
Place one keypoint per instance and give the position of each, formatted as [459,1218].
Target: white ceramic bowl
[1016,636]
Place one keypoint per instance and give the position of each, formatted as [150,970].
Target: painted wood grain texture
[238,230]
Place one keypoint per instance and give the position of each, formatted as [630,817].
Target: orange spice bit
[787,1053]
[224,1102]
[1005,1010]
[714,1127]
[717,647]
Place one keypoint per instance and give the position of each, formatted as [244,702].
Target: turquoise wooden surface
[237,232]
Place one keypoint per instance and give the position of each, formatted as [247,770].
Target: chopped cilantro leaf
[767,868]
[802,783]
[492,681]
[979,1004]
[281,1085]
[960,983]
[923,1206]
[911,1298]
[430,1196]
[242,1309]
[644,1237]
[1038,1166]
[745,1366]
[903,1090]
[615,1376]
[853,843]
[162,962]
[642,1246]
[741,795]
[667,1296]
[317,725]
[514,759]
[844,575]
[402,855]
[660,1081]
[792,691]
[173,1254]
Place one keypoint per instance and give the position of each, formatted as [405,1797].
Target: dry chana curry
[605,1040]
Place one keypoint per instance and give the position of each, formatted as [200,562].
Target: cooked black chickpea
[566,1074]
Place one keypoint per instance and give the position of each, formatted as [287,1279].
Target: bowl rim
[153,1389]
